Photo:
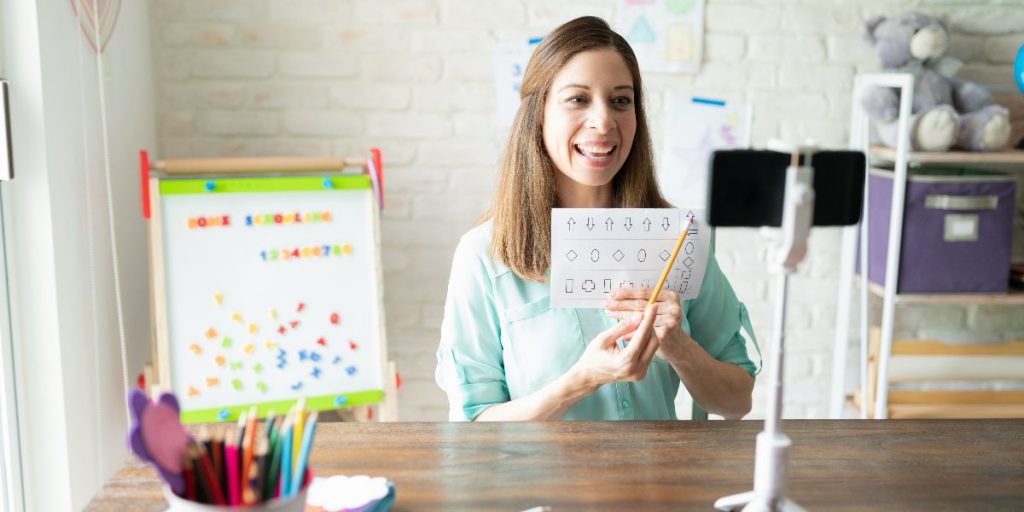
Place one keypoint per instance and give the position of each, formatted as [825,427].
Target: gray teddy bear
[946,112]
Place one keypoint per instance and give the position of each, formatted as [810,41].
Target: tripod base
[769,479]
[748,502]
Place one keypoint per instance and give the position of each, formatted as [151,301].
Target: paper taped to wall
[597,250]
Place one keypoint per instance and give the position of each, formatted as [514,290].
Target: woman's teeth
[595,151]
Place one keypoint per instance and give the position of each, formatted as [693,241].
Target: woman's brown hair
[526,180]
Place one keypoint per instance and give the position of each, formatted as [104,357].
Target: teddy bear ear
[869,28]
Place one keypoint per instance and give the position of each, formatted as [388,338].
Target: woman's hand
[626,302]
[603,362]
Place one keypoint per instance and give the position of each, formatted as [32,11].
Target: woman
[579,140]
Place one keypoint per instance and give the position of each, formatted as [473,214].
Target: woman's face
[589,117]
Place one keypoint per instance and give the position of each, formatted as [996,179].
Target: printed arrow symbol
[665,223]
[628,223]
[647,224]
[608,223]
[590,223]
[571,222]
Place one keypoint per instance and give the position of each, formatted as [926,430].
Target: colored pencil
[240,436]
[297,430]
[260,465]
[271,418]
[213,485]
[203,490]
[271,439]
[248,494]
[283,483]
[272,452]
[188,472]
[668,264]
[270,488]
[217,454]
[231,456]
[303,460]
[204,493]
[247,448]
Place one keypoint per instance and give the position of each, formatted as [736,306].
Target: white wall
[65,328]
[309,77]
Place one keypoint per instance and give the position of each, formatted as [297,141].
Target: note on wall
[694,128]
[597,250]
[510,61]
[666,35]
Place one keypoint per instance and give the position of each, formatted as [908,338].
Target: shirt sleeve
[717,319]
[470,366]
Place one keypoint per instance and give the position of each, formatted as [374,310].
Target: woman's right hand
[603,362]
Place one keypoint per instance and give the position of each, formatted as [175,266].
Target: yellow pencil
[297,436]
[668,264]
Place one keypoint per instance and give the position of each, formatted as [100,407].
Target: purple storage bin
[957,229]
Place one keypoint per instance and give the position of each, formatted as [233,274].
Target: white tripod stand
[772,453]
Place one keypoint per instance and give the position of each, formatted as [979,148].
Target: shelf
[1013,298]
[947,411]
[1012,159]
[939,348]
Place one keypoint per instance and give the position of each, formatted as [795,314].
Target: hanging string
[110,206]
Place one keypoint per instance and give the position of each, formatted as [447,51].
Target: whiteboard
[597,250]
[271,293]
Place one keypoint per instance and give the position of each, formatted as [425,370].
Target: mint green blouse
[501,339]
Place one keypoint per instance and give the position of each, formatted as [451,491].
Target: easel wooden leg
[389,406]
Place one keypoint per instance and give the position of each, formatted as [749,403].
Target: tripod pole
[772,453]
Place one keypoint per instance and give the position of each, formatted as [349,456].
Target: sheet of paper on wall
[695,127]
[597,250]
[666,35]
[510,59]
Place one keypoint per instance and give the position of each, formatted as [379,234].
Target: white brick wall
[310,77]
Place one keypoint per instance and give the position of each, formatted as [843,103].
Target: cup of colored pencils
[257,466]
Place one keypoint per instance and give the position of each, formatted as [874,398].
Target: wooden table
[669,465]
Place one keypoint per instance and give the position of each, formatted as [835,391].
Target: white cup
[296,503]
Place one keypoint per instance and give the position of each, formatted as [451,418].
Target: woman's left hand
[625,303]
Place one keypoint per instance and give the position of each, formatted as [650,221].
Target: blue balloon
[1018,69]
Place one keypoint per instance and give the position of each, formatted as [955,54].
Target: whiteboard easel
[266,285]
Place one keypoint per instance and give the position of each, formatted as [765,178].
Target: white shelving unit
[901,158]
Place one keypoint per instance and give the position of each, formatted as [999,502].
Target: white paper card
[597,250]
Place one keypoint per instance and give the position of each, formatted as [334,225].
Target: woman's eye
[578,100]
[623,101]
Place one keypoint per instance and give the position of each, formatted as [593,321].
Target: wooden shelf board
[945,411]
[938,348]
[956,397]
[1012,298]
[956,411]
[1009,159]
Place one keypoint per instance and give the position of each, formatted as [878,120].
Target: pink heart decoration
[97,19]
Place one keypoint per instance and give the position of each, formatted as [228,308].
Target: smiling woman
[589,124]
[579,140]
